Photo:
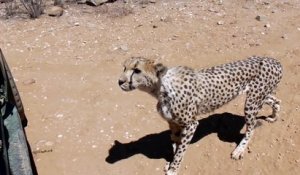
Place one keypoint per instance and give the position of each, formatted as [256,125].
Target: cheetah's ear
[160,69]
[150,61]
[117,143]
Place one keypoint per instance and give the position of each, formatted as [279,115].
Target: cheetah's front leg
[186,137]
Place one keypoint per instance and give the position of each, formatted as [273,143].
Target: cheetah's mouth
[127,87]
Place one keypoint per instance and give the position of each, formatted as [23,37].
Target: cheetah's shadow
[158,146]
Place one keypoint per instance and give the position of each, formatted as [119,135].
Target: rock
[96,2]
[44,145]
[220,22]
[152,1]
[59,115]
[213,10]
[260,18]
[49,143]
[254,44]
[29,81]
[284,36]
[124,47]
[166,19]
[267,25]
[55,11]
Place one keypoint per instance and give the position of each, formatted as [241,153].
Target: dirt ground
[81,122]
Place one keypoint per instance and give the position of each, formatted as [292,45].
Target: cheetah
[184,93]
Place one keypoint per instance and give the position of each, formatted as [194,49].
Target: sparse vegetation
[10,6]
[33,7]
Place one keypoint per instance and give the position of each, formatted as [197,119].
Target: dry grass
[34,8]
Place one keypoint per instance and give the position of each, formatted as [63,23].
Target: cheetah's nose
[121,82]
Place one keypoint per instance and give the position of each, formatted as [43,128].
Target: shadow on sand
[158,146]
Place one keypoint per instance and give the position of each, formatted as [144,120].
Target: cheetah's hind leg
[275,105]
[251,110]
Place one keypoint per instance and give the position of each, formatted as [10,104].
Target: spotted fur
[183,93]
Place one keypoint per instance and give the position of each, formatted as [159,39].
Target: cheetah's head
[140,73]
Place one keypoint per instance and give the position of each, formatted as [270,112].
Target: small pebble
[260,18]
[284,36]
[59,115]
[124,47]
[55,11]
[29,81]
[267,25]
[48,143]
[220,22]
[166,19]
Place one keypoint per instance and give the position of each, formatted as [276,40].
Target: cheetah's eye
[137,71]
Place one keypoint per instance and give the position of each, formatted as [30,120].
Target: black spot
[137,71]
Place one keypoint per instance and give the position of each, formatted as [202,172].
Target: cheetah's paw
[171,172]
[167,166]
[237,154]
[168,170]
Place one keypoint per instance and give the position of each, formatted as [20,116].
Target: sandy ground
[81,122]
